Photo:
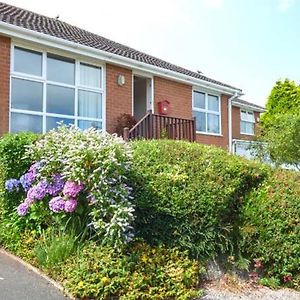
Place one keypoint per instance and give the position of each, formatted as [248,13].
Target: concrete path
[18,282]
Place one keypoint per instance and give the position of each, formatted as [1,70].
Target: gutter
[55,42]
[248,106]
[230,100]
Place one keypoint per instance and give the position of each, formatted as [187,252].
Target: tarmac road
[17,282]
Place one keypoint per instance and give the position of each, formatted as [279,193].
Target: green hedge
[13,165]
[189,195]
[271,227]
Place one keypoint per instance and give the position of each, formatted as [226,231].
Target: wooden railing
[154,126]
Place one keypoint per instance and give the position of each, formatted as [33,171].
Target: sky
[249,44]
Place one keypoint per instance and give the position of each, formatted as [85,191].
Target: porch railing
[154,126]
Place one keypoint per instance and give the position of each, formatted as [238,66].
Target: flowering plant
[80,171]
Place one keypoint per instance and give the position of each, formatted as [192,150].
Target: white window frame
[207,111]
[43,79]
[248,112]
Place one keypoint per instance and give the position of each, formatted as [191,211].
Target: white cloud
[285,5]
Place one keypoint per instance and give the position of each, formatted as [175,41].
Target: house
[52,71]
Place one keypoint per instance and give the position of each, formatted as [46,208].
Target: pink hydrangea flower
[22,209]
[70,205]
[72,189]
[57,204]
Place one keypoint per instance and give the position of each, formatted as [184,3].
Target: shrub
[78,173]
[140,272]
[124,120]
[12,165]
[189,195]
[271,227]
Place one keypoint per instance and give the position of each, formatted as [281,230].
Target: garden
[115,220]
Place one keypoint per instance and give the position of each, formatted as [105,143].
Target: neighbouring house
[52,71]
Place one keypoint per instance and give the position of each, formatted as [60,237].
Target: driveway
[17,282]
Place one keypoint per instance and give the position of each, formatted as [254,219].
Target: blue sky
[246,43]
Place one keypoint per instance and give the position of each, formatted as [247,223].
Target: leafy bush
[79,173]
[189,195]
[12,165]
[124,120]
[141,272]
[271,227]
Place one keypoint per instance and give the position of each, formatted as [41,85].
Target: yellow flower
[80,284]
[105,280]
[144,258]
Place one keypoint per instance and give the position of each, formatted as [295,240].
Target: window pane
[90,76]
[51,122]
[26,95]
[89,104]
[87,124]
[247,127]
[199,100]
[213,124]
[60,100]
[60,69]
[200,121]
[27,61]
[243,115]
[250,117]
[213,103]
[24,122]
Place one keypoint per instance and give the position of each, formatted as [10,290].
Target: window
[247,122]
[206,109]
[47,88]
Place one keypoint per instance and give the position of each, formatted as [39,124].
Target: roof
[241,102]
[50,26]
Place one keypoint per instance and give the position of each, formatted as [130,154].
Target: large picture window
[47,88]
[247,122]
[206,109]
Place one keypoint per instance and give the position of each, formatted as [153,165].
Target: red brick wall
[118,98]
[178,94]
[220,141]
[4,83]
[236,118]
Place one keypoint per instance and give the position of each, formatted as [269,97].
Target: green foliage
[284,99]
[139,272]
[281,141]
[271,226]
[12,165]
[54,248]
[189,195]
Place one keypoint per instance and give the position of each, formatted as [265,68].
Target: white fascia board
[248,107]
[55,42]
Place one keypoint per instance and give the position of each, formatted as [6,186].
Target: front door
[142,96]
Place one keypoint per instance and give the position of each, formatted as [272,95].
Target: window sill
[210,134]
[250,134]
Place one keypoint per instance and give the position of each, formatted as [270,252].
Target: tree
[280,127]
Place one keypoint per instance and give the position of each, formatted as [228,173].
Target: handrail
[155,126]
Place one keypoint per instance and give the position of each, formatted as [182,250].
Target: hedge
[189,195]
[271,227]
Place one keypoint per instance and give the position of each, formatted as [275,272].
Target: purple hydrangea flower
[70,205]
[72,189]
[22,209]
[57,204]
[27,180]
[12,184]
[56,186]
[29,202]
[39,191]
[36,167]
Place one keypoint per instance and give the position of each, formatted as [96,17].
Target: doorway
[142,96]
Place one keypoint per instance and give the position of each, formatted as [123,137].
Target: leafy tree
[280,132]
[283,99]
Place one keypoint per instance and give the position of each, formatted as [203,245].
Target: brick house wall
[118,98]
[4,83]
[236,118]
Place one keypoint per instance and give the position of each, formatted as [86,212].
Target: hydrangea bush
[80,172]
